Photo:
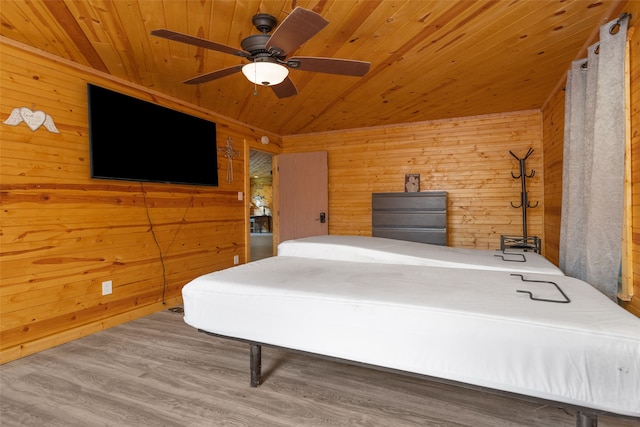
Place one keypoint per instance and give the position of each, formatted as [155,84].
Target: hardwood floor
[158,371]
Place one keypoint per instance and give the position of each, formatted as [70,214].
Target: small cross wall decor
[230,154]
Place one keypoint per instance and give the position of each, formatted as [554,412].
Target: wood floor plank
[158,371]
[261,245]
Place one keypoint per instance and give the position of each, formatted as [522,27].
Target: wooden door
[300,193]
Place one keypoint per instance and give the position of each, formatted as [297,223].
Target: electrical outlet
[240,195]
[107,287]
[236,259]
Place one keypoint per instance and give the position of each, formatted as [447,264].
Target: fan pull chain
[255,79]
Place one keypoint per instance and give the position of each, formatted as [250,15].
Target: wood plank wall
[553,136]
[467,157]
[63,233]
[634,48]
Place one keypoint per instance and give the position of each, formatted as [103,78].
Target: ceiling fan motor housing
[255,44]
[264,22]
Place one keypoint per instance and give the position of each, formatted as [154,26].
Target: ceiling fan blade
[204,78]
[285,89]
[294,30]
[196,41]
[345,67]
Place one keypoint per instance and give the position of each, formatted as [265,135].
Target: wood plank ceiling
[430,59]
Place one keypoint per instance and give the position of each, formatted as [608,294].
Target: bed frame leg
[255,360]
[584,420]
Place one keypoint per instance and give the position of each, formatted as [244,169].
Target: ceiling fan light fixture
[265,73]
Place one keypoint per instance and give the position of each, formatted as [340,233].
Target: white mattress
[463,325]
[382,250]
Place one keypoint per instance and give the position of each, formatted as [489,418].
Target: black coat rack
[525,242]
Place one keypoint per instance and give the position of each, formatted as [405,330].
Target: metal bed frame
[585,417]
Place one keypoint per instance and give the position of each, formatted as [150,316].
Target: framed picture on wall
[412,183]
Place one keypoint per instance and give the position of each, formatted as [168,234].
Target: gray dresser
[416,217]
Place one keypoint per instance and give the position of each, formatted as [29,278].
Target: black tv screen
[132,139]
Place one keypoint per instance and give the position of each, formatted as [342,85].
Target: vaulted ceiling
[430,59]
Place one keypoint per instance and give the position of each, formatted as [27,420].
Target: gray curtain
[593,164]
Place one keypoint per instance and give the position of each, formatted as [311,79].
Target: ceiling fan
[269,54]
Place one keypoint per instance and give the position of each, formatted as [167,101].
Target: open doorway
[261,199]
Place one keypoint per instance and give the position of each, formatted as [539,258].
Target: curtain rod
[616,25]
[612,30]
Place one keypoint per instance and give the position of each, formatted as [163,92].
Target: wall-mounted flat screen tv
[135,140]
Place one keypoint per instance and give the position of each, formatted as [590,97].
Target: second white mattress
[382,250]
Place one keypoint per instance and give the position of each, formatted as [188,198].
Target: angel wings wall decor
[33,119]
